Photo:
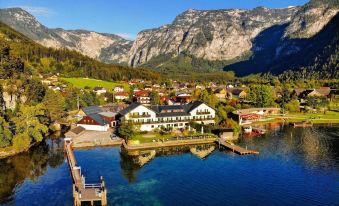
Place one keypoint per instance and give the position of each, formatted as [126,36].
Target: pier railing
[82,192]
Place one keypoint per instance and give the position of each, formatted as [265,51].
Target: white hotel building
[176,116]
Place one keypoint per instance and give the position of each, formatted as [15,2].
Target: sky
[126,17]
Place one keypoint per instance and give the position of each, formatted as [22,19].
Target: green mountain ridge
[68,63]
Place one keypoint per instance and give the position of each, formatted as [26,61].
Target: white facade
[101,91]
[99,128]
[120,97]
[150,120]
[118,89]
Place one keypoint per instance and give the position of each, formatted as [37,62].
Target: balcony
[173,121]
[203,112]
[140,116]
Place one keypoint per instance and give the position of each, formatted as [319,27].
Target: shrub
[21,142]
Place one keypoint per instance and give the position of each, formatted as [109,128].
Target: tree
[126,130]
[2,101]
[28,126]
[54,103]
[5,133]
[261,95]
[155,98]
[317,102]
[34,91]
[293,106]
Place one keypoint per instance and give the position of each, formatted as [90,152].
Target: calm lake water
[294,167]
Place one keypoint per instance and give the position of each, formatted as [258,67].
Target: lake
[296,166]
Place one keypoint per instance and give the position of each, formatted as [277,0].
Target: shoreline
[11,151]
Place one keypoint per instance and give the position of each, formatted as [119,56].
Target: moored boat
[247,129]
[259,130]
[302,124]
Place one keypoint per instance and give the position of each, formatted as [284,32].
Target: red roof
[122,94]
[141,93]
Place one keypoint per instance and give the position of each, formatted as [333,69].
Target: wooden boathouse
[83,193]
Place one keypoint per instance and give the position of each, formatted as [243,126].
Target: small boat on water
[302,124]
[247,129]
[258,130]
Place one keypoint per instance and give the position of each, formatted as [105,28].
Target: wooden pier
[302,124]
[84,194]
[235,148]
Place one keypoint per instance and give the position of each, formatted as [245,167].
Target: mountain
[209,35]
[260,40]
[108,48]
[244,41]
[69,63]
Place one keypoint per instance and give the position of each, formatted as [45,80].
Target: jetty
[302,124]
[83,193]
[235,148]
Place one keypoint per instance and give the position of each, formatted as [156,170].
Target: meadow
[86,82]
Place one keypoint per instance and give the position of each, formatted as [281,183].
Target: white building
[121,96]
[118,89]
[176,116]
[99,90]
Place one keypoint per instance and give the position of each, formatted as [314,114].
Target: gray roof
[158,108]
[98,118]
[108,114]
[92,110]
[129,108]
[94,113]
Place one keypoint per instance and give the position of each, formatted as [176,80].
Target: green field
[83,82]
[329,117]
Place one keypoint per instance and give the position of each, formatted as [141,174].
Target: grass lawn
[329,117]
[83,82]
[149,137]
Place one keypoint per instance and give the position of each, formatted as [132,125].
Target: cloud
[38,11]
[127,36]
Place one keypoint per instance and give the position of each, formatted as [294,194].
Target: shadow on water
[30,165]
[132,161]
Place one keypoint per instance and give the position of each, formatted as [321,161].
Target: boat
[259,131]
[302,124]
[247,129]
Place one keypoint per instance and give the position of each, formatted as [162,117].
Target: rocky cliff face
[312,18]
[211,35]
[105,47]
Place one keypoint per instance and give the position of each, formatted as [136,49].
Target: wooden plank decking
[83,192]
[235,148]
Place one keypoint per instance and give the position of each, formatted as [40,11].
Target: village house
[179,99]
[320,92]
[142,97]
[118,89]
[97,119]
[236,93]
[247,116]
[121,96]
[168,116]
[50,80]
[99,90]
[221,93]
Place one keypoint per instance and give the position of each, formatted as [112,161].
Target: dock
[83,193]
[302,124]
[235,148]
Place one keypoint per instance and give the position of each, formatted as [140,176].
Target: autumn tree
[28,126]
[54,103]
[261,95]
[5,133]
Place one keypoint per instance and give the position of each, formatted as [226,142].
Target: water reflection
[132,161]
[31,165]
[316,146]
